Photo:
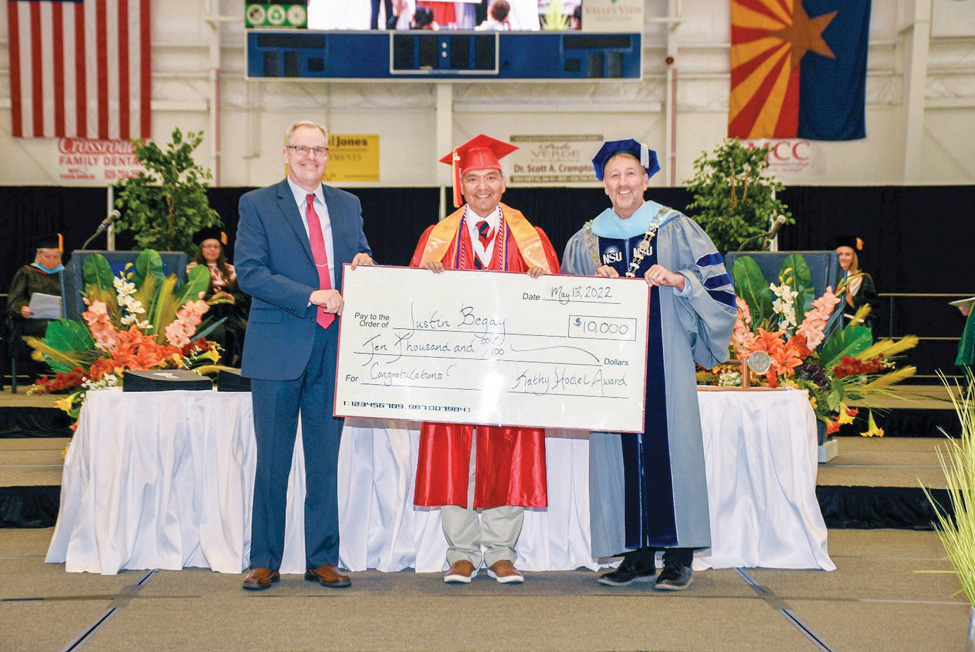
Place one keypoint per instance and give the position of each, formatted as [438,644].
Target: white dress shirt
[483,253]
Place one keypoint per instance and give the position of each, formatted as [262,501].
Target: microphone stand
[770,234]
[107,222]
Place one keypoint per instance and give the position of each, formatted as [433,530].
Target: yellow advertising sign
[352,157]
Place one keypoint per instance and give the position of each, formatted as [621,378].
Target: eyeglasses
[301,150]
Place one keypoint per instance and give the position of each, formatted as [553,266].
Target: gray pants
[497,531]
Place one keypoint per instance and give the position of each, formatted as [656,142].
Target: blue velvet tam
[636,149]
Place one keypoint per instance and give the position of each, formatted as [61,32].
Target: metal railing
[936,324]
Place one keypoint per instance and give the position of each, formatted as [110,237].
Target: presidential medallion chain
[641,251]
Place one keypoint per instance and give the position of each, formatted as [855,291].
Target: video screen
[476,15]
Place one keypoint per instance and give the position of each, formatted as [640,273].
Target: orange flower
[800,346]
[768,342]
[136,352]
[101,367]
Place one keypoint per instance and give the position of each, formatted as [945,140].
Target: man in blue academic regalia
[648,491]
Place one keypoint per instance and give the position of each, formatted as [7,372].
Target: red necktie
[318,252]
[483,231]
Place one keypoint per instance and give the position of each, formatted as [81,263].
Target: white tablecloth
[760,448]
[165,480]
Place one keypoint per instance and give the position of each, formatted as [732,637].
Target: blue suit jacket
[275,266]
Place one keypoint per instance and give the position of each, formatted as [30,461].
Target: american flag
[79,68]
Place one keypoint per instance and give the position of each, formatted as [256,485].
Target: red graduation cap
[479,153]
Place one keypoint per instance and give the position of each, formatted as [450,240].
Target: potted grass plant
[956,526]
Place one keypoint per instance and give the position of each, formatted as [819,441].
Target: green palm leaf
[753,288]
[197,281]
[849,341]
[795,273]
[66,345]
[149,265]
[66,335]
[96,272]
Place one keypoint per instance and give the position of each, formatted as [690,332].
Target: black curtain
[918,239]
[31,211]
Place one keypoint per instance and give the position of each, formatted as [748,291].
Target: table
[760,448]
[165,480]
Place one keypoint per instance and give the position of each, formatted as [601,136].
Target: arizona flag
[798,69]
[79,68]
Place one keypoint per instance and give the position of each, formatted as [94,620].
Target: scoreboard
[443,55]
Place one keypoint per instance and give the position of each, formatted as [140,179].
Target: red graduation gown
[510,462]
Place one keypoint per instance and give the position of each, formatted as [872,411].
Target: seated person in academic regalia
[41,276]
[223,278]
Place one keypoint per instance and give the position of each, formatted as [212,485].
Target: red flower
[60,382]
[196,346]
[850,366]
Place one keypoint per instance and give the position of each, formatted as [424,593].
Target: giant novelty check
[493,348]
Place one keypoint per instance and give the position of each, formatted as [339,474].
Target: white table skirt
[165,480]
[760,449]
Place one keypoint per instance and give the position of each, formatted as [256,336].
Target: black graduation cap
[49,241]
[636,149]
[851,241]
[210,233]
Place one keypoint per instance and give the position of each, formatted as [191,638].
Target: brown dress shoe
[259,579]
[460,572]
[505,572]
[328,576]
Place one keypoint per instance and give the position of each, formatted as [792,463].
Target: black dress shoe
[628,572]
[674,577]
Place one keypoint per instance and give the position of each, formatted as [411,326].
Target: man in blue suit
[292,240]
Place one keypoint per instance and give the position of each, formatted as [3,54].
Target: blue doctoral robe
[650,490]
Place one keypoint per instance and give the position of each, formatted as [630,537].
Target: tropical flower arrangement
[135,321]
[838,365]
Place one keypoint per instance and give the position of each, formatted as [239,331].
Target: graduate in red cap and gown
[493,469]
